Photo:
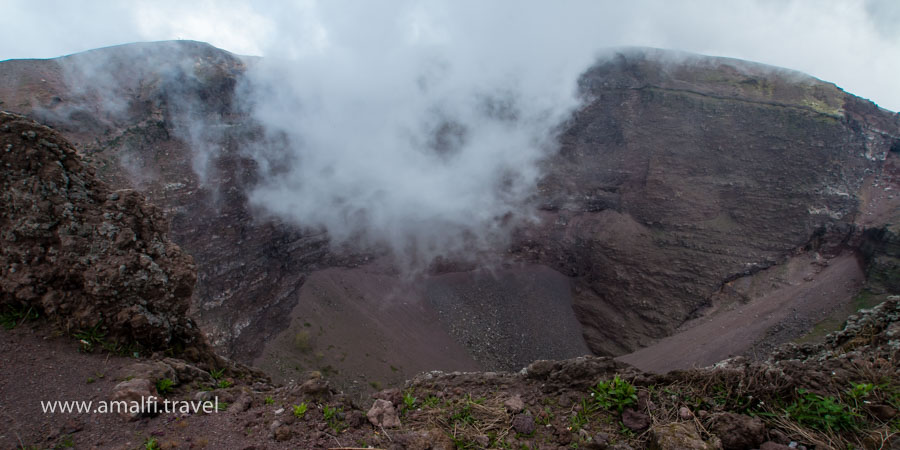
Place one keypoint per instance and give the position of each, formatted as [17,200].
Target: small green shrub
[216,374]
[224,384]
[822,413]
[332,415]
[270,400]
[91,337]
[615,394]
[11,316]
[409,402]
[300,410]
[578,420]
[151,444]
[431,401]
[301,341]
[463,415]
[860,391]
[164,386]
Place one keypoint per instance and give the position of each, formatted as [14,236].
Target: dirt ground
[780,304]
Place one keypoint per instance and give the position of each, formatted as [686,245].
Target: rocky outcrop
[95,260]
[682,173]
[153,117]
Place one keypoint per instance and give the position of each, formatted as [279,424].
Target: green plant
[270,400]
[332,415]
[625,431]
[860,391]
[431,401]
[409,402]
[301,341]
[164,386]
[12,316]
[545,417]
[463,415]
[91,337]
[151,444]
[217,373]
[578,420]
[224,384]
[65,442]
[300,410]
[822,413]
[614,394]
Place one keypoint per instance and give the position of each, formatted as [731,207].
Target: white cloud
[854,43]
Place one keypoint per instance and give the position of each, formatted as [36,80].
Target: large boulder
[89,258]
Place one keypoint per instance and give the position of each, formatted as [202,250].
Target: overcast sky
[854,43]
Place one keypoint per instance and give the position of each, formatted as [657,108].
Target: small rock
[315,387]
[241,404]
[140,395]
[634,420]
[415,440]
[355,419]
[392,395]
[383,414]
[279,411]
[883,413]
[283,433]
[738,431]
[773,446]
[564,401]
[514,404]
[523,423]
[621,446]
[601,440]
[151,370]
[685,414]
[676,436]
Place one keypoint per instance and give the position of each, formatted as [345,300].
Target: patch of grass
[65,442]
[12,316]
[302,341]
[409,402]
[151,444]
[216,374]
[615,394]
[269,400]
[333,416]
[91,337]
[164,386]
[578,420]
[463,415]
[224,384]
[328,371]
[822,413]
[545,417]
[431,402]
[300,410]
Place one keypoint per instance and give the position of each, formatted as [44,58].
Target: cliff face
[135,111]
[91,258]
[683,173]
[679,176]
